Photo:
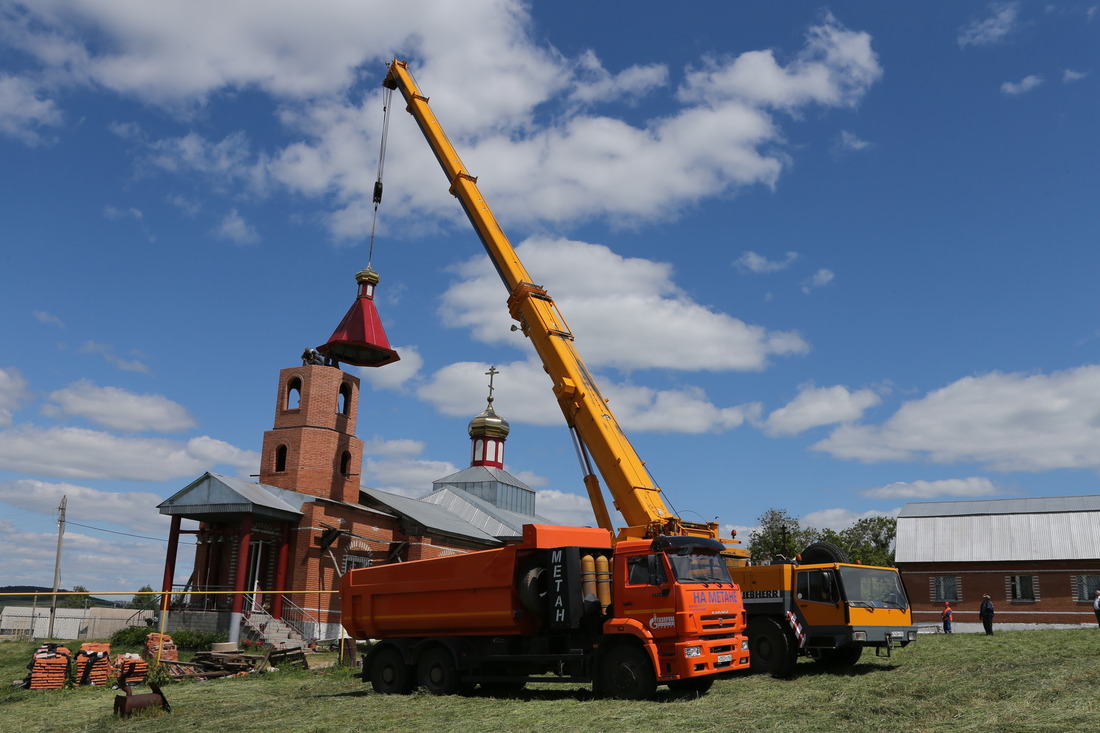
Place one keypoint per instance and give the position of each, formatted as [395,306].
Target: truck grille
[719,623]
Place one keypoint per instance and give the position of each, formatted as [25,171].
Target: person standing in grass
[946,615]
[1096,606]
[985,613]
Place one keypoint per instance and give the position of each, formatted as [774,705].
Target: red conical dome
[360,338]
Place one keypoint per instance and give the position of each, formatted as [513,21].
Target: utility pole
[57,562]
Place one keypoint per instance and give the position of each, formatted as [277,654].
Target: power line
[87,526]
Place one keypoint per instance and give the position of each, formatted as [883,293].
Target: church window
[343,401]
[294,394]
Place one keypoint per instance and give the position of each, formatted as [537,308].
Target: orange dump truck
[562,605]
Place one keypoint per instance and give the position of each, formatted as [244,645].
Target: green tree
[779,535]
[870,541]
[146,602]
[75,601]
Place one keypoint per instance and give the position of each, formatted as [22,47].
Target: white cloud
[1069,76]
[177,54]
[835,68]
[133,509]
[1002,22]
[405,476]
[234,228]
[973,486]
[522,391]
[99,562]
[1023,86]
[403,447]
[848,141]
[230,158]
[13,393]
[524,394]
[91,454]
[108,353]
[395,375]
[597,84]
[572,510]
[23,111]
[48,318]
[616,307]
[1007,422]
[589,166]
[750,261]
[820,279]
[120,409]
[686,410]
[840,519]
[817,406]
[113,212]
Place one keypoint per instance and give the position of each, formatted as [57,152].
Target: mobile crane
[565,604]
[827,609]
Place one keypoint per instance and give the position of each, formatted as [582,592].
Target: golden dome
[489,424]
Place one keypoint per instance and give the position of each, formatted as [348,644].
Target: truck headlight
[859,636]
[912,636]
[744,645]
[693,651]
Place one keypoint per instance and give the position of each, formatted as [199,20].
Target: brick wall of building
[1053,584]
[315,420]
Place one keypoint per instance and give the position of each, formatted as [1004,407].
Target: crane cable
[387,96]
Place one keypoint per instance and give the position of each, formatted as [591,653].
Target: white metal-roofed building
[1037,558]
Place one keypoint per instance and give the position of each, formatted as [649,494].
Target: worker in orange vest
[946,616]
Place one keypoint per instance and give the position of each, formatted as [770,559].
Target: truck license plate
[725,658]
[897,634]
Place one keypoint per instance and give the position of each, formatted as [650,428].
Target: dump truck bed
[475,593]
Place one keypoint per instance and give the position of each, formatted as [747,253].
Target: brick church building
[269,553]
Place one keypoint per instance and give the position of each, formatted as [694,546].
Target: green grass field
[1014,681]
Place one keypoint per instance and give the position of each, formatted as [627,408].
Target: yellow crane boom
[597,432]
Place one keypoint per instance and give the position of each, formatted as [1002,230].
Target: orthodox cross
[491,373]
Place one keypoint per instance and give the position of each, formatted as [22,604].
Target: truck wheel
[820,553]
[436,672]
[845,656]
[771,648]
[389,675]
[627,674]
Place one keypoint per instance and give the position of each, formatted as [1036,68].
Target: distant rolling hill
[27,593]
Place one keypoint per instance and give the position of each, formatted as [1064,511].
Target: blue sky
[823,258]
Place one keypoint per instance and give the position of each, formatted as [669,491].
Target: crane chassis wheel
[771,648]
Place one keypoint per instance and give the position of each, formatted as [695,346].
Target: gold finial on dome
[489,424]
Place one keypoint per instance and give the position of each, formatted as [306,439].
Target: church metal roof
[213,498]
[482,514]
[431,516]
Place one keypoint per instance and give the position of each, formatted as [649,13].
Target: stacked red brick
[92,664]
[130,669]
[49,667]
[163,643]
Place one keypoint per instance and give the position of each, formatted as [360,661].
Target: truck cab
[828,611]
[678,600]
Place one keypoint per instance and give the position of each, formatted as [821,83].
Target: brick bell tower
[313,449]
